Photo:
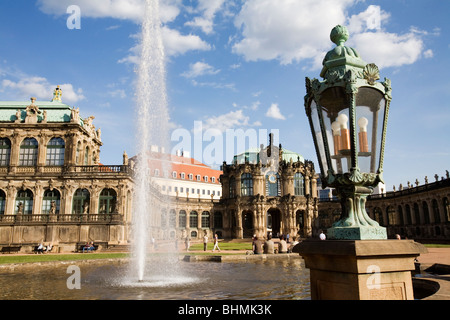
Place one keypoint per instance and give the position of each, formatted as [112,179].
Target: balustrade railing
[60,218]
[21,170]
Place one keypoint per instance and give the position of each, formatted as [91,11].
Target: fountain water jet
[152,129]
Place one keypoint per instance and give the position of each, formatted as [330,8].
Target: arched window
[55,152]
[408,214]
[28,152]
[24,202]
[51,201]
[81,200]
[193,219]
[299,184]
[232,187]
[218,220]
[163,218]
[108,201]
[86,156]
[246,184]
[172,218]
[182,219]
[273,184]
[417,213]
[426,212]
[2,202]
[390,213]
[400,215]
[378,215]
[205,219]
[78,154]
[5,152]
[446,209]
[437,217]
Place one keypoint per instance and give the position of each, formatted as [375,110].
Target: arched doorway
[300,218]
[274,221]
[247,224]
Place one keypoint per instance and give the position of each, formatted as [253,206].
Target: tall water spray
[152,129]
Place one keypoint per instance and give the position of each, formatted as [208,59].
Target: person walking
[216,242]
[322,235]
[205,241]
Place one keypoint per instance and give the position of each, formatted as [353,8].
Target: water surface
[285,280]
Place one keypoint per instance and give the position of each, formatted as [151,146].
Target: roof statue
[32,112]
[57,94]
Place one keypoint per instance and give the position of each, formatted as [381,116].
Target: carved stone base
[359,270]
[357,233]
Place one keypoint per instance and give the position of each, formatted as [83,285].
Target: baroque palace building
[53,187]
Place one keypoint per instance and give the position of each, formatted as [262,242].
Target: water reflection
[285,280]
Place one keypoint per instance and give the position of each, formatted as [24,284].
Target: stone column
[307,186]
[11,193]
[239,231]
[16,140]
[37,199]
[360,269]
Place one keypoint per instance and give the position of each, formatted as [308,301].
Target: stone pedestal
[360,269]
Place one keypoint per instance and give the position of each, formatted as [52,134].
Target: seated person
[293,245]
[89,247]
[269,245]
[49,248]
[282,245]
[257,246]
[40,248]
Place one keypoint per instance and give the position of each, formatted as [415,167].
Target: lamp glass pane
[370,110]
[318,138]
[335,114]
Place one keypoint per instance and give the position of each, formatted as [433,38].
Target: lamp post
[348,114]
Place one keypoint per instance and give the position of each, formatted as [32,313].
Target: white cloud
[274,112]
[215,85]
[289,31]
[388,49]
[385,49]
[231,120]
[370,19]
[119,93]
[199,69]
[428,54]
[40,88]
[174,44]
[208,9]
[118,9]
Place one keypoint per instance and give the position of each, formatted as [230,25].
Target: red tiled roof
[181,164]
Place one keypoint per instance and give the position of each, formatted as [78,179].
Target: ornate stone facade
[270,190]
[53,187]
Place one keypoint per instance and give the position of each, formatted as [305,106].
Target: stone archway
[274,221]
[247,224]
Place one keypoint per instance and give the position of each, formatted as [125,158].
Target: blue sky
[236,65]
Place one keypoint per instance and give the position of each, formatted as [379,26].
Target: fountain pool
[263,280]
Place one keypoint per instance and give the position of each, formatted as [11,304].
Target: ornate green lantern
[348,114]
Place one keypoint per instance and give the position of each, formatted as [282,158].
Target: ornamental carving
[371,73]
